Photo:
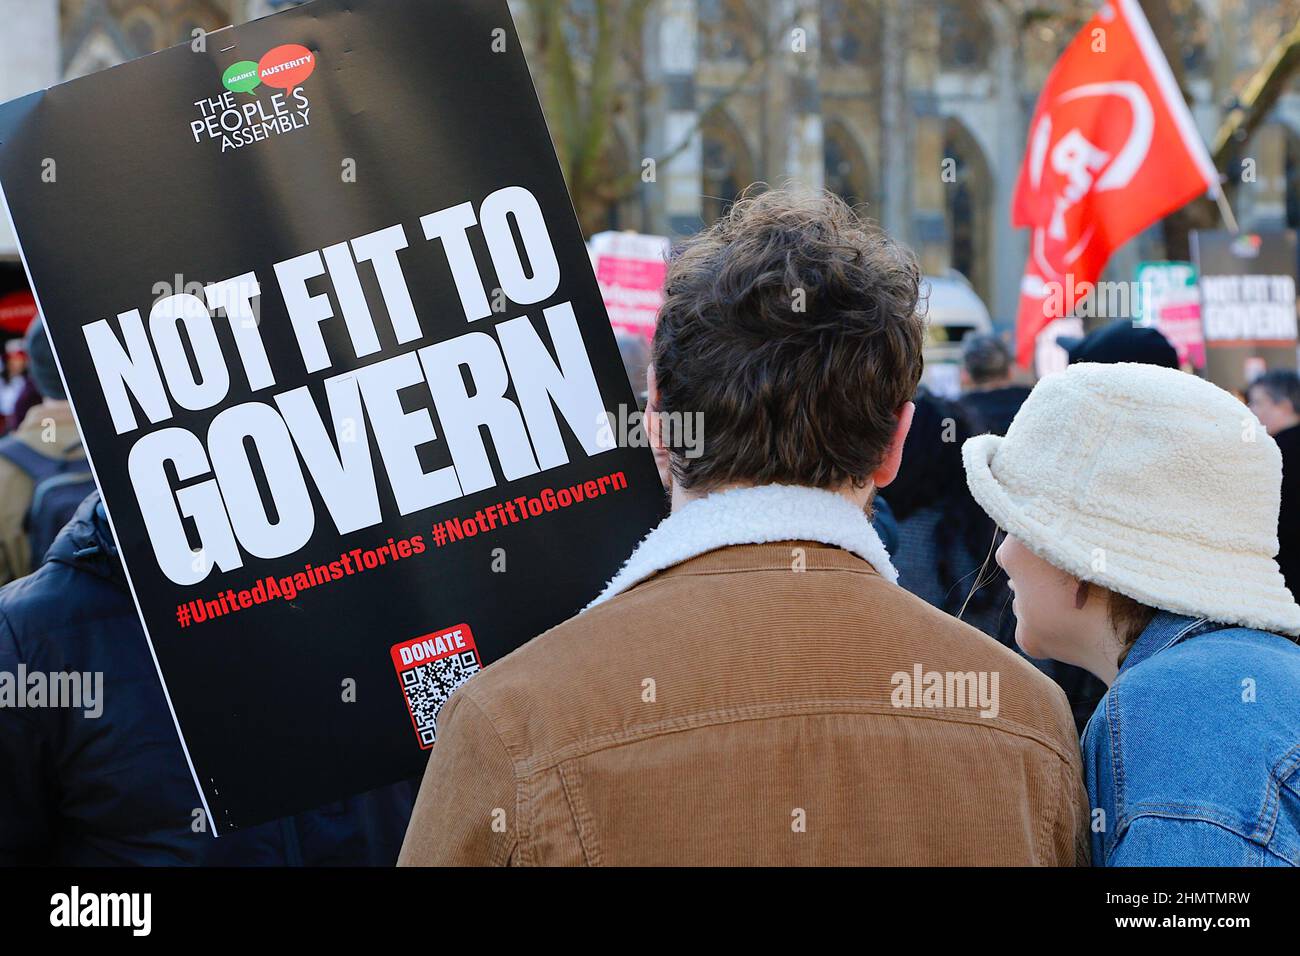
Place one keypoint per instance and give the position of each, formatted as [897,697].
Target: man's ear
[893,460]
[654,431]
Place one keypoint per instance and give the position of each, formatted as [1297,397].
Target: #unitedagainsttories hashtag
[359,560]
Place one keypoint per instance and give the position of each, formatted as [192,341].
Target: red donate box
[429,669]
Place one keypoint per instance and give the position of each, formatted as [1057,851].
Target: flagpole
[1226,211]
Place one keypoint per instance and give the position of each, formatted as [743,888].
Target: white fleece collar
[753,516]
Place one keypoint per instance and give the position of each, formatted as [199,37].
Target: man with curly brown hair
[753,687]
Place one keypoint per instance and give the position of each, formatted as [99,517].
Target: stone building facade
[916,108]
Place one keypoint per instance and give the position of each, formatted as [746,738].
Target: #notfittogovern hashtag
[439,535]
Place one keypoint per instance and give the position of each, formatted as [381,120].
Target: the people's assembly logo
[241,115]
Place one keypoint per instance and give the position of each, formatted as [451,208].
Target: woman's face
[1048,625]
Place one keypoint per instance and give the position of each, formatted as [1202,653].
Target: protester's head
[790,328]
[1066,618]
[1122,341]
[44,371]
[1128,489]
[15,359]
[1275,399]
[985,360]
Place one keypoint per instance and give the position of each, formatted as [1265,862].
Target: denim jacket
[1193,756]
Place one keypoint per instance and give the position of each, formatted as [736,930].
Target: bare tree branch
[1258,98]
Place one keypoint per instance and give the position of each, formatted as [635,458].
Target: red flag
[1112,149]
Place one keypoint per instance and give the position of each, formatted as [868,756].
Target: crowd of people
[1041,626]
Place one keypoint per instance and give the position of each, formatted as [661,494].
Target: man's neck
[681,497]
[1294,423]
[990,386]
[49,408]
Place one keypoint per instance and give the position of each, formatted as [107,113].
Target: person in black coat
[107,783]
[990,397]
[1275,399]
[946,542]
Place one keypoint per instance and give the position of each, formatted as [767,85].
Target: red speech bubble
[286,66]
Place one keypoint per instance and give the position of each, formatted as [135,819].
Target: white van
[952,309]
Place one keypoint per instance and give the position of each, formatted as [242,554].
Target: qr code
[427,687]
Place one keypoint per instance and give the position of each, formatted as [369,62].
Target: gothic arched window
[727,166]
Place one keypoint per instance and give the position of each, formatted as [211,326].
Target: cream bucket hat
[1148,481]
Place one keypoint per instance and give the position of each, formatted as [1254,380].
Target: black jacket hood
[86,543]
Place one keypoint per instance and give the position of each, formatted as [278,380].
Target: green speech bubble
[241,77]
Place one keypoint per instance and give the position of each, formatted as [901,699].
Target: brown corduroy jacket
[745,707]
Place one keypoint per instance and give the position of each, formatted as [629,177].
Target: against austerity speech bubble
[241,77]
[286,66]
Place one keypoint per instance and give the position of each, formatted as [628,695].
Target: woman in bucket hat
[1140,506]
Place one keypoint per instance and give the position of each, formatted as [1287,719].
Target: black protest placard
[1248,303]
[343,372]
